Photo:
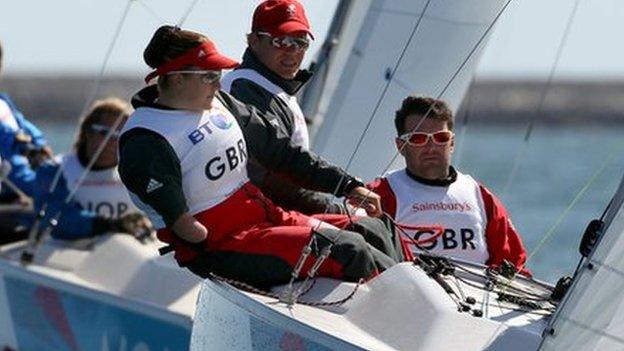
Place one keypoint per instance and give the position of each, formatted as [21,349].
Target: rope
[540,105]
[28,252]
[249,288]
[151,11]
[464,127]
[387,86]
[35,237]
[567,210]
[448,84]
[109,51]
[187,13]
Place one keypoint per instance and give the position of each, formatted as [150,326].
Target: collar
[147,96]
[290,86]
[452,177]
[84,162]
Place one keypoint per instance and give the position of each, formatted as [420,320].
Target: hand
[37,156]
[137,225]
[190,229]
[361,197]
[47,151]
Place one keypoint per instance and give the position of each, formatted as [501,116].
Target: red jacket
[503,241]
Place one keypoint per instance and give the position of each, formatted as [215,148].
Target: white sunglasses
[208,77]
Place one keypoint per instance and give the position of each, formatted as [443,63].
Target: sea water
[557,163]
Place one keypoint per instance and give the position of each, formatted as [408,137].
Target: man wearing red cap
[268,78]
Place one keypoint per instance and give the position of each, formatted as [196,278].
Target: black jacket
[283,192]
[145,155]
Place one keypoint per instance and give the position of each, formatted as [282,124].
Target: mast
[331,59]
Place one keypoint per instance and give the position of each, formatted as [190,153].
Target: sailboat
[99,294]
[408,307]
[437,304]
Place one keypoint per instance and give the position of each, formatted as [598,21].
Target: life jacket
[213,158]
[458,207]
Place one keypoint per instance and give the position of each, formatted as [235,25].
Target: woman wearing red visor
[183,156]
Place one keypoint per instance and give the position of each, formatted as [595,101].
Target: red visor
[203,56]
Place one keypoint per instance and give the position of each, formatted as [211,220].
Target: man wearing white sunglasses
[430,193]
[268,78]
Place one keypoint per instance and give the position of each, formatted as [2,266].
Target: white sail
[592,316]
[445,36]
[331,60]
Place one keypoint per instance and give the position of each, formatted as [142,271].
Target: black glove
[38,155]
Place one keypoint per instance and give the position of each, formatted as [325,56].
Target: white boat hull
[403,309]
[100,303]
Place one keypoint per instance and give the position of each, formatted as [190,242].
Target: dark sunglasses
[442,137]
[104,130]
[287,42]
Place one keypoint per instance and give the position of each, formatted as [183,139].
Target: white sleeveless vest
[458,208]
[101,191]
[211,149]
[300,135]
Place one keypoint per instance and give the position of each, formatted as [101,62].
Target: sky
[72,36]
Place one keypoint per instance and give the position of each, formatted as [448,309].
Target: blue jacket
[22,174]
[75,222]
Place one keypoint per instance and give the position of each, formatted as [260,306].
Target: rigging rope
[464,127]
[109,51]
[388,83]
[567,210]
[35,237]
[529,131]
[450,81]
[249,288]
[187,13]
[151,11]
[34,231]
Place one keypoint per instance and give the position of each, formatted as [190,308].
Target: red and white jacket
[476,225]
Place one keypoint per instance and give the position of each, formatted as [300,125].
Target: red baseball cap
[280,17]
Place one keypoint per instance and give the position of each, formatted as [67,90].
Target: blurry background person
[101,203]
[268,78]
[429,191]
[23,147]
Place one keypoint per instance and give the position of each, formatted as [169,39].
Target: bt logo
[199,134]
[221,121]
